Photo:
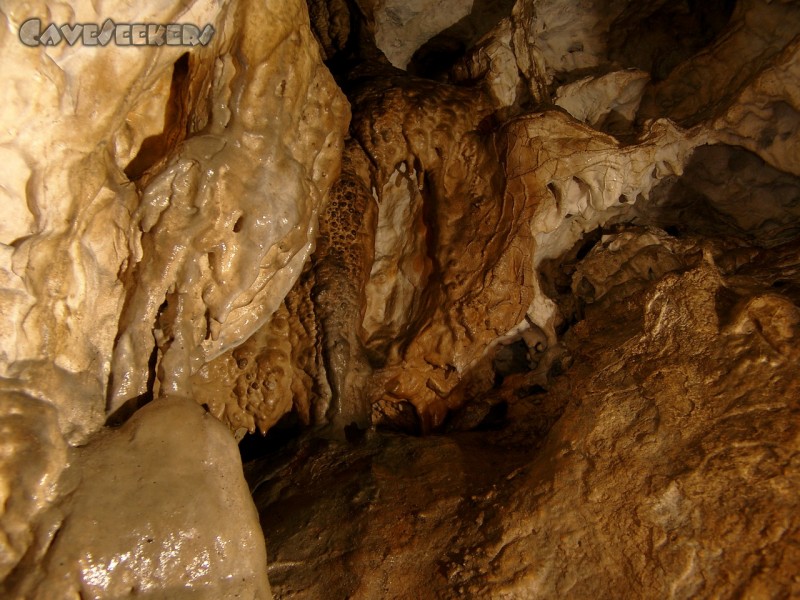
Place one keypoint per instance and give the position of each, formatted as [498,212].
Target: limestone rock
[582,180]
[568,35]
[161,202]
[661,461]
[330,21]
[546,38]
[251,226]
[68,133]
[161,510]
[136,188]
[342,263]
[565,239]
[438,297]
[695,89]
[726,191]
[33,455]
[493,61]
[604,102]
[250,387]
[401,27]
[765,115]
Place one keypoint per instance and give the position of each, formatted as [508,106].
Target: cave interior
[394,299]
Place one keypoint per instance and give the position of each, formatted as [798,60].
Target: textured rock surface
[403,26]
[581,180]
[607,102]
[726,190]
[160,203]
[467,205]
[662,463]
[160,510]
[249,210]
[33,455]
[67,137]
[462,278]
[149,201]
[625,421]
[310,355]
[565,241]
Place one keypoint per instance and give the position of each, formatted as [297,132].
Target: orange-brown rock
[662,462]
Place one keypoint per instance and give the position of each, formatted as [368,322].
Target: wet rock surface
[144,516]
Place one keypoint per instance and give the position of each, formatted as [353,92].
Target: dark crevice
[657,38]
[437,56]
[282,434]
[156,147]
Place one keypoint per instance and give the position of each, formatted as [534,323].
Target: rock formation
[511,288]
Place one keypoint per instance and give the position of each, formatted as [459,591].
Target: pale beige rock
[508,61]
[33,455]
[493,61]
[549,38]
[61,208]
[225,249]
[581,180]
[612,98]
[402,26]
[161,510]
[65,144]
[397,274]
[161,202]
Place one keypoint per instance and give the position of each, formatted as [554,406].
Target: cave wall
[161,201]
[361,215]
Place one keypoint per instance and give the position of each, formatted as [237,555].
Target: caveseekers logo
[122,34]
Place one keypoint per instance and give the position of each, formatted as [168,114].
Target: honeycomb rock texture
[250,387]
[342,264]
